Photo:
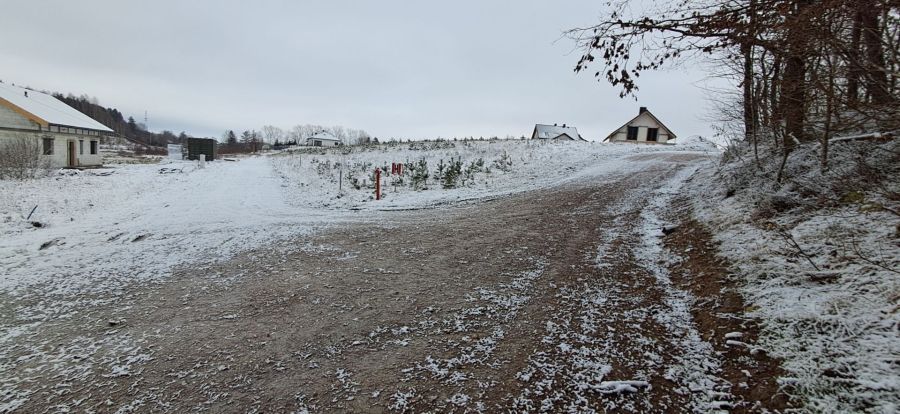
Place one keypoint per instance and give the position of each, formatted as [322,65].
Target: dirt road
[564,299]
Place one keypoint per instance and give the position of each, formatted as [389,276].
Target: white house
[67,137]
[555,132]
[323,139]
[645,128]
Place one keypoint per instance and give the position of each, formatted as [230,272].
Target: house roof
[647,111]
[542,131]
[45,109]
[324,135]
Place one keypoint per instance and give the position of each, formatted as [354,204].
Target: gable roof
[45,109]
[645,111]
[542,131]
[324,135]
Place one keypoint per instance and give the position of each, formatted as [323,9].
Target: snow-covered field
[100,230]
[820,264]
[141,220]
[487,169]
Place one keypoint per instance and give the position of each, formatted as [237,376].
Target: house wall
[14,125]
[12,119]
[59,158]
[325,142]
[643,122]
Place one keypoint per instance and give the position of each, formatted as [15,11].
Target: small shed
[556,132]
[645,128]
[205,146]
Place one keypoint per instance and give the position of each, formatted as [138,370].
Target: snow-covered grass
[142,220]
[136,222]
[819,257]
[486,169]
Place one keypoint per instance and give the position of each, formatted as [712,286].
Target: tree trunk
[876,72]
[793,86]
[749,106]
[793,97]
[774,105]
[854,72]
[749,119]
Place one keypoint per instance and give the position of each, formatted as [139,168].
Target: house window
[632,133]
[317,143]
[652,134]
[48,146]
[93,147]
[80,147]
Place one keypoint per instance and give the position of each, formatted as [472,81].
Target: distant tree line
[128,128]
[230,142]
[275,137]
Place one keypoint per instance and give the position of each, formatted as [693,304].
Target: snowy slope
[103,228]
[137,223]
[819,258]
[507,166]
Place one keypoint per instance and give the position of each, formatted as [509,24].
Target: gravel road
[554,300]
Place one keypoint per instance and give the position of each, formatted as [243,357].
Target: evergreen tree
[230,138]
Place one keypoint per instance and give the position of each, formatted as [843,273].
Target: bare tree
[271,133]
[296,133]
[340,133]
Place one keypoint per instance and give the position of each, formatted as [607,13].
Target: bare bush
[21,157]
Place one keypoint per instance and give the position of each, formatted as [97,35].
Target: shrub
[504,163]
[473,168]
[451,176]
[21,157]
[418,174]
[441,168]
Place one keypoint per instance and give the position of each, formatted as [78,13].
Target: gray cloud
[394,68]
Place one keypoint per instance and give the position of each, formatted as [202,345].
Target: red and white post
[378,183]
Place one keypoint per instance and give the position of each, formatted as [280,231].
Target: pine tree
[230,138]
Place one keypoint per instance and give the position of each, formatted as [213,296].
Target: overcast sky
[404,69]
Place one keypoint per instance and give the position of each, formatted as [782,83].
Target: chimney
[26,94]
[643,109]
[564,125]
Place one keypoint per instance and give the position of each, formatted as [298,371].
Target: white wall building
[555,132]
[323,139]
[645,128]
[68,137]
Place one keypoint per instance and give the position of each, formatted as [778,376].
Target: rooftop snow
[48,108]
[553,131]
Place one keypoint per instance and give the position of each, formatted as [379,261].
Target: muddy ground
[543,301]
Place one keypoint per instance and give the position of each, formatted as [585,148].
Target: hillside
[115,120]
[817,261]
